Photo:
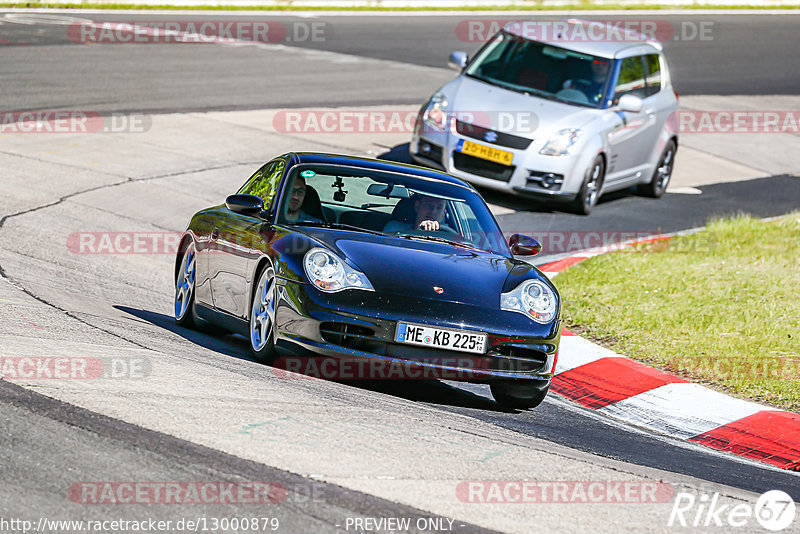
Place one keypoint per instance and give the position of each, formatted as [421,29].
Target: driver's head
[428,208]
[296,194]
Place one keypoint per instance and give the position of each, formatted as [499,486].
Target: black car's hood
[416,267]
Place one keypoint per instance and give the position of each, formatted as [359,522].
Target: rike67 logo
[774,510]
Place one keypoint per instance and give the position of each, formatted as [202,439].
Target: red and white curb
[627,390]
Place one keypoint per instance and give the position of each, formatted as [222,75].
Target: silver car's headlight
[533,298]
[329,273]
[435,114]
[560,143]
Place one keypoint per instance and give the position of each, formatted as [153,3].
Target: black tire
[184,289]
[658,183]
[262,308]
[518,395]
[591,188]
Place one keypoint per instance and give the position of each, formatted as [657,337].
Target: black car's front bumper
[362,325]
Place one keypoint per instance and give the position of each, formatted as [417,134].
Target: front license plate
[441,338]
[485,152]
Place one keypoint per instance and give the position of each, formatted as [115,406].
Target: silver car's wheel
[662,174]
[592,187]
[262,317]
[184,288]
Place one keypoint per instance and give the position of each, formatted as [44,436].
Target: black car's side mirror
[522,245]
[245,204]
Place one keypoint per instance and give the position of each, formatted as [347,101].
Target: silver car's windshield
[547,71]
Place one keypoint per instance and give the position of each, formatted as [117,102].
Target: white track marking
[31,19]
[685,191]
[682,410]
[576,351]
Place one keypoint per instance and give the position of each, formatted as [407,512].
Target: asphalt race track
[203,410]
[745,55]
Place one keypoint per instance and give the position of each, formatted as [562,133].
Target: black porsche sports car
[339,257]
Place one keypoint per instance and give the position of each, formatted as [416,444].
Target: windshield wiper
[439,240]
[337,226]
[481,78]
[512,86]
[499,83]
[528,90]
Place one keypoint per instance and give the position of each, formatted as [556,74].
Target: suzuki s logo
[490,136]
[438,290]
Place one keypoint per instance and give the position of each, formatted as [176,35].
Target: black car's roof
[368,163]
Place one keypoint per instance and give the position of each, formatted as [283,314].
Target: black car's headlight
[533,298]
[329,273]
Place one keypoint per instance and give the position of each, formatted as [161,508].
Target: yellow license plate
[485,152]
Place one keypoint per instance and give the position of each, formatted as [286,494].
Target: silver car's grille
[492,136]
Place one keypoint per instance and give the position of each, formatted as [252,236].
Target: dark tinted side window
[631,79]
[653,67]
[265,182]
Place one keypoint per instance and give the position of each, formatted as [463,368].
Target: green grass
[720,307]
[581,6]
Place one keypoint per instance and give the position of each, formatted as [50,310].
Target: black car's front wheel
[518,395]
[262,317]
[184,288]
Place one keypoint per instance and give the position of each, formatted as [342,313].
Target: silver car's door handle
[650,111]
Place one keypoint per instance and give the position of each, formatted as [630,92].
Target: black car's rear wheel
[662,173]
[184,288]
[262,317]
[518,395]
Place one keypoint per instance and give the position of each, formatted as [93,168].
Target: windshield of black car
[388,203]
[519,64]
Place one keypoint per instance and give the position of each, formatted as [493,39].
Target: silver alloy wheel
[665,169]
[184,285]
[593,185]
[262,317]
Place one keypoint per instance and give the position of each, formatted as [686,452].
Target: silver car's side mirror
[630,103]
[457,61]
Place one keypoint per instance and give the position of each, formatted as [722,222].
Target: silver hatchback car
[555,118]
